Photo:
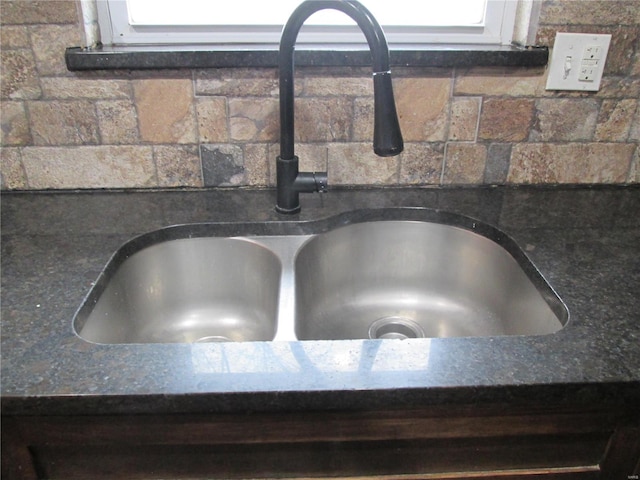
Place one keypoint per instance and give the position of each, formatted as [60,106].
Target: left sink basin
[185,290]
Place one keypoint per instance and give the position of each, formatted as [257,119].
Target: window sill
[202,56]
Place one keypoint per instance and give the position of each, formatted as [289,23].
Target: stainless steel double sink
[378,274]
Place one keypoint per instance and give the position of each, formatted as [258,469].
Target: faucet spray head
[387,137]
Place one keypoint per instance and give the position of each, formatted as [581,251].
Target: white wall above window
[255,22]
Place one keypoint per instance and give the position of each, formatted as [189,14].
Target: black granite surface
[584,241]
[203,56]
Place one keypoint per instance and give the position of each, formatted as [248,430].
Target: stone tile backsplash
[219,127]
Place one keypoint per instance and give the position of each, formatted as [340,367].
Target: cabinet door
[424,444]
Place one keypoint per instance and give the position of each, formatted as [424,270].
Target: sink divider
[285,247]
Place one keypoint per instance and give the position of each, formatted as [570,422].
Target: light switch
[577,61]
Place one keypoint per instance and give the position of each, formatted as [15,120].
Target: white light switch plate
[577,61]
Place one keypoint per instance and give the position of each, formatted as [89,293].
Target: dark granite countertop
[584,241]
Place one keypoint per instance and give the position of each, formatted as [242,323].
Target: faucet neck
[372,32]
[359,13]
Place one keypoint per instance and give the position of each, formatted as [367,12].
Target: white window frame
[115,29]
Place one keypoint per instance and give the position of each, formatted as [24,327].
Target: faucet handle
[321,180]
[307,182]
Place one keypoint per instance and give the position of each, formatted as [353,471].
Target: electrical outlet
[587,74]
[577,61]
[593,52]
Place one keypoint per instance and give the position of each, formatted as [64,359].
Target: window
[256,22]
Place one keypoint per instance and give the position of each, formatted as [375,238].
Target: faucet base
[288,200]
[292,182]
[286,211]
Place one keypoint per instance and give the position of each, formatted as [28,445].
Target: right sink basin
[411,279]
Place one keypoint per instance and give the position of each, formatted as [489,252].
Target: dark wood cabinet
[429,443]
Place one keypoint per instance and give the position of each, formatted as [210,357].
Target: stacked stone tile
[219,127]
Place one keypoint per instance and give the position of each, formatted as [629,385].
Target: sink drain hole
[399,328]
[212,339]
